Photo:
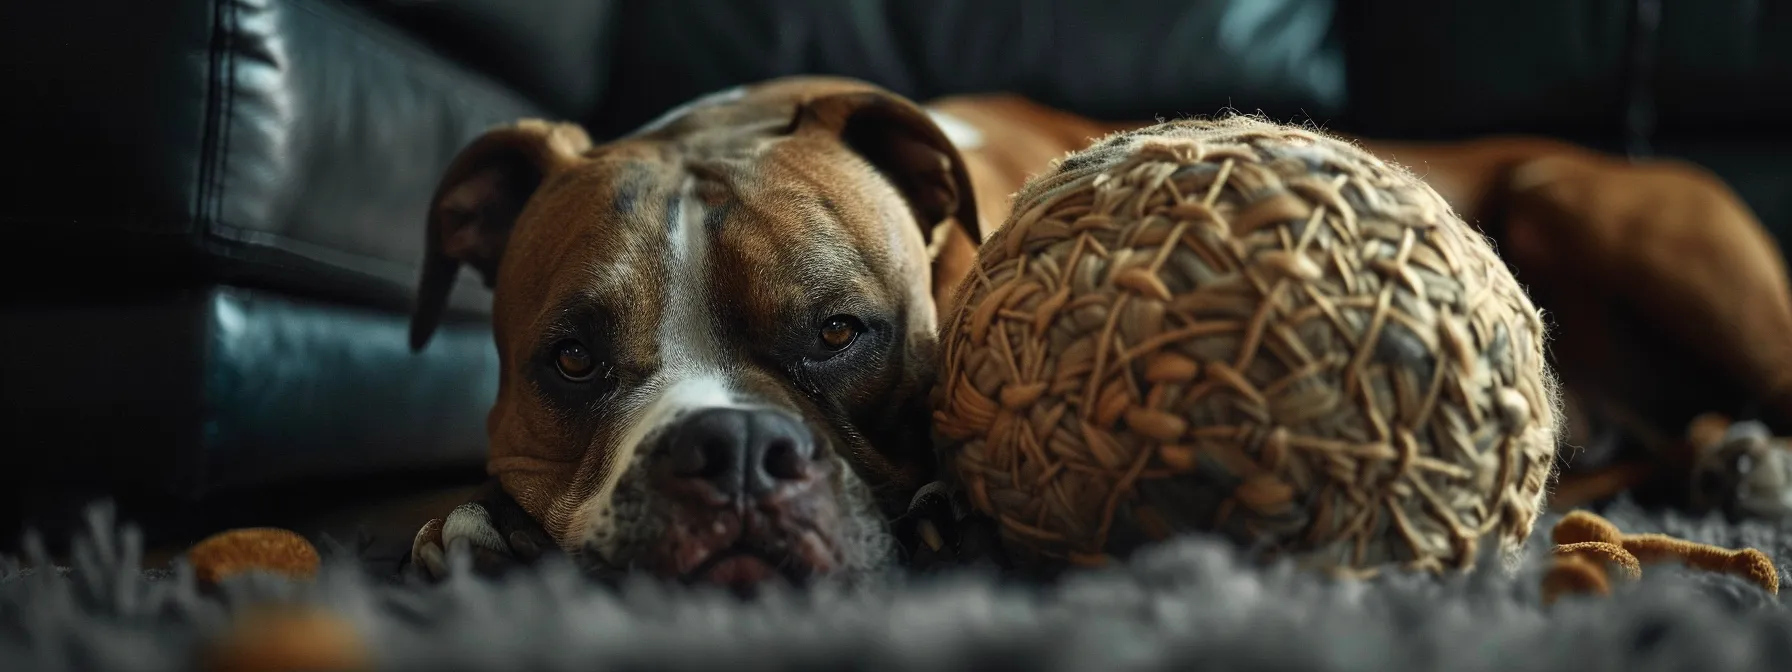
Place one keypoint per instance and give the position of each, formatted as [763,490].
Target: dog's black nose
[740,452]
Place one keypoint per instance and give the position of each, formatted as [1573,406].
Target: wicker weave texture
[1240,327]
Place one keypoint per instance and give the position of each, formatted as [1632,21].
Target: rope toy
[1588,548]
[1247,328]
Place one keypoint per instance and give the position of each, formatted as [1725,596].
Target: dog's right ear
[476,205]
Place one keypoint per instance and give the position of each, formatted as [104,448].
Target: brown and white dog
[716,334]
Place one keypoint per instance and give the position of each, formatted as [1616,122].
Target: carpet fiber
[1187,605]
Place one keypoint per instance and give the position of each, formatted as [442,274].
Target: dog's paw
[941,531]
[486,533]
[1746,473]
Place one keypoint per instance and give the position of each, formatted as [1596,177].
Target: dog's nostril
[703,459]
[688,462]
[783,461]
[717,456]
[738,452]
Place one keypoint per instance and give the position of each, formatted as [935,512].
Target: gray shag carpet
[1187,605]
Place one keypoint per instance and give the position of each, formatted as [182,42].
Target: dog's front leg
[1740,469]
[492,529]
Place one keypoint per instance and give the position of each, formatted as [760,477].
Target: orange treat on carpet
[264,549]
[289,639]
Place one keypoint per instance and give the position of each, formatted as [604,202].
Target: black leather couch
[214,208]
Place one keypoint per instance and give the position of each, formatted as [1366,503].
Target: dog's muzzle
[750,495]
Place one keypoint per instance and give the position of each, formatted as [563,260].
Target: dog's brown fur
[1021,139]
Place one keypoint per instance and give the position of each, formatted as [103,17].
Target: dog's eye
[574,362]
[840,331]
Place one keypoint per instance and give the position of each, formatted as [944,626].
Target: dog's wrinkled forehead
[701,242]
[705,256]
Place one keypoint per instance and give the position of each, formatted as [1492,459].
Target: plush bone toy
[1589,547]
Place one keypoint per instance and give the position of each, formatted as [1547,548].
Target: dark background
[213,209]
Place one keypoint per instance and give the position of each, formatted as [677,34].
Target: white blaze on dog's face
[716,335]
[623,522]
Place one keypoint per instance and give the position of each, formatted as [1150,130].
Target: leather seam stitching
[448,71]
[236,235]
[228,122]
[207,160]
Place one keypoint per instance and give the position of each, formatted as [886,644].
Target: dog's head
[716,334]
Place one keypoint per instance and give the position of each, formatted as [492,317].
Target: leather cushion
[295,141]
[1424,69]
[555,52]
[1591,70]
[1158,57]
[221,388]
[1724,69]
[110,97]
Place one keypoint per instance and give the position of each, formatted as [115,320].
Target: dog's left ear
[476,205]
[898,138]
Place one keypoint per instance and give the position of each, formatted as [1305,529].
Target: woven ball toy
[1243,328]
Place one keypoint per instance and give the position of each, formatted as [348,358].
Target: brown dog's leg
[1663,239]
[1674,245]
